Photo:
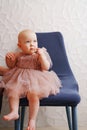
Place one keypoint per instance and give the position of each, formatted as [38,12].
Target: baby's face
[28,42]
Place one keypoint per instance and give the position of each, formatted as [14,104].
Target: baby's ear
[19,45]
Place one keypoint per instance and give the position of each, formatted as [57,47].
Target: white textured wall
[66,16]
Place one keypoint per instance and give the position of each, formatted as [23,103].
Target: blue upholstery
[69,95]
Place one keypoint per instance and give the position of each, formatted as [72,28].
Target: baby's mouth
[34,50]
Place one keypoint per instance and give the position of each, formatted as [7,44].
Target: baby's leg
[3,70]
[33,110]
[14,104]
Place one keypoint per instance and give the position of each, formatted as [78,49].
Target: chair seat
[68,94]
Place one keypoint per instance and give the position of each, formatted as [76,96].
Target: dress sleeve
[48,57]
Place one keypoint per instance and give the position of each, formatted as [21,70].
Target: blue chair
[69,96]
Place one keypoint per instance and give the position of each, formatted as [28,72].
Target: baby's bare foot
[31,125]
[11,116]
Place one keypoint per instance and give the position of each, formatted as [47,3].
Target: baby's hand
[10,59]
[40,51]
[10,56]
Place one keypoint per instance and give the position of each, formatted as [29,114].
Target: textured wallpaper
[67,16]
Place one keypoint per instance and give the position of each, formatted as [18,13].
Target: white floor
[46,128]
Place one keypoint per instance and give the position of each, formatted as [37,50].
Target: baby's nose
[31,44]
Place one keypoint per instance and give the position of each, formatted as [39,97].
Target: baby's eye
[27,41]
[35,40]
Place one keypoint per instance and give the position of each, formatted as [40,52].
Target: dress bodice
[28,62]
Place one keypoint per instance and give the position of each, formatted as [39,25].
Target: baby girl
[27,75]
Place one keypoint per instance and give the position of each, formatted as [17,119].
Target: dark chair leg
[69,117]
[17,122]
[74,118]
[22,116]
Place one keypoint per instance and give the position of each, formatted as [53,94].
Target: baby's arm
[45,64]
[11,59]
[3,70]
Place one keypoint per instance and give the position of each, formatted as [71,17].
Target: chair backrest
[54,43]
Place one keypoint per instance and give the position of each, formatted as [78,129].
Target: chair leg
[74,118]
[69,117]
[17,123]
[22,116]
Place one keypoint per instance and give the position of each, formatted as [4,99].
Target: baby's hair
[24,32]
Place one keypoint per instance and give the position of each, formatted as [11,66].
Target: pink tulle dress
[27,76]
